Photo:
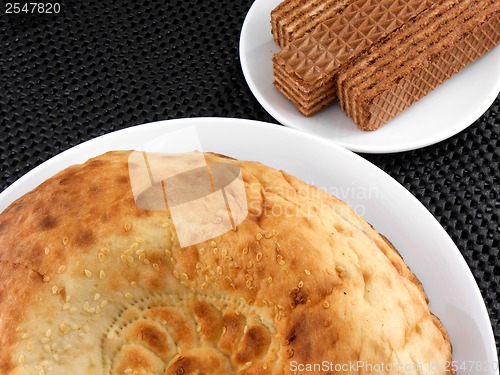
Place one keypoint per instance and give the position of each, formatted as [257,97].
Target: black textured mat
[99,66]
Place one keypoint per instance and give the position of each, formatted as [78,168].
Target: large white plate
[429,251]
[446,111]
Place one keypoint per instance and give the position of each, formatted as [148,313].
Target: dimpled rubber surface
[101,66]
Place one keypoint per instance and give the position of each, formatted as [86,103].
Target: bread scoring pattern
[170,333]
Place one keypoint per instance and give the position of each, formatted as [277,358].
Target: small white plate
[443,113]
[454,295]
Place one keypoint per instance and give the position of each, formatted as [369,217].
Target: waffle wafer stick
[306,68]
[398,85]
[394,48]
[418,53]
[291,19]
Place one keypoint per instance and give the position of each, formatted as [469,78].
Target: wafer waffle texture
[420,33]
[378,92]
[305,69]
[291,19]
[311,71]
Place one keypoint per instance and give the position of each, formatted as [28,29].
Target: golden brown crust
[92,282]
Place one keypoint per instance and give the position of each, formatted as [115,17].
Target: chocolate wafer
[419,30]
[305,69]
[388,88]
[291,19]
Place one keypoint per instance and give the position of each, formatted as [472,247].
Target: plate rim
[469,119]
[89,150]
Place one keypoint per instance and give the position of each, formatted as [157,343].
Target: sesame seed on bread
[94,284]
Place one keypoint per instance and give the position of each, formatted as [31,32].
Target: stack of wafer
[305,69]
[412,62]
[379,57]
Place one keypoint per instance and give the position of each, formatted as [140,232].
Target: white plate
[425,246]
[443,113]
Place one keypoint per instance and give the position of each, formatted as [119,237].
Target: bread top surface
[94,284]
